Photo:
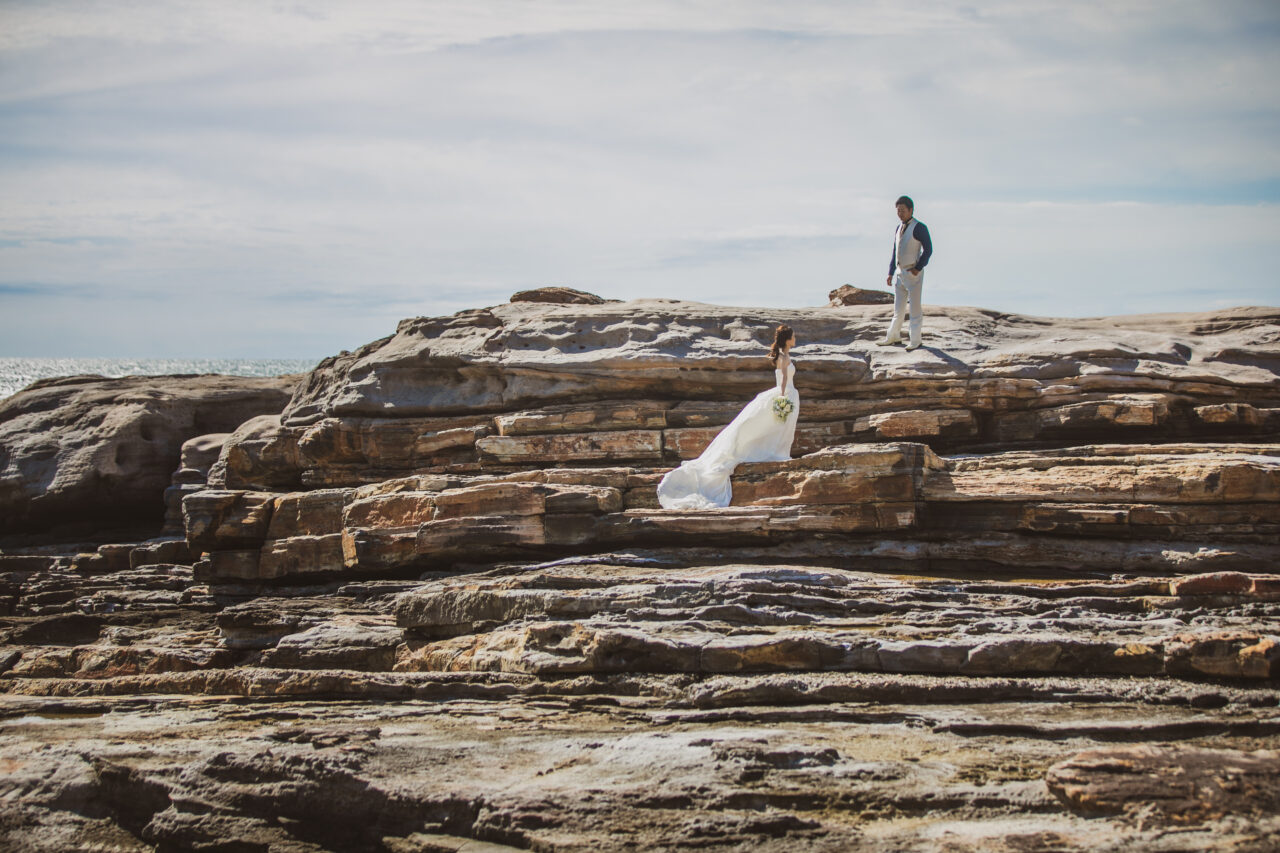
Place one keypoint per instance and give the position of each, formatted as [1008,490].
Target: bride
[762,432]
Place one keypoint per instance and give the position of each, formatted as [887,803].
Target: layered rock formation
[83,453]
[894,505]
[1007,580]
[502,358]
[528,385]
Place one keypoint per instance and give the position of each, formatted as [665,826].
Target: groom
[911,250]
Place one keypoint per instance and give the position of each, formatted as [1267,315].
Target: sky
[289,179]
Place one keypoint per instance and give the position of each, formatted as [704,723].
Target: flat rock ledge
[531,385]
[1190,508]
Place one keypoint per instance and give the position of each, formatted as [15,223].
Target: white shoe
[887,340]
[913,345]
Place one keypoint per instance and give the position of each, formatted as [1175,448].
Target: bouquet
[782,408]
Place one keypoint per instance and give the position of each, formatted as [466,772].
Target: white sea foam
[18,373]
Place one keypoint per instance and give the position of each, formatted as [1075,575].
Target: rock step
[1112,508]
[604,619]
[346,452]
[62,591]
[671,698]
[581,617]
[121,556]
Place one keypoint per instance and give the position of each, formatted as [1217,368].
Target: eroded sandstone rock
[1066,376]
[1170,784]
[486,765]
[259,454]
[847,294]
[600,618]
[88,453]
[636,698]
[1116,507]
[535,384]
[436,604]
[558,296]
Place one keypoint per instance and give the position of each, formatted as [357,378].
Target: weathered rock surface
[596,618]
[847,294]
[527,385]
[83,453]
[640,700]
[527,354]
[1187,508]
[558,295]
[1172,785]
[576,766]
[199,455]
[1018,590]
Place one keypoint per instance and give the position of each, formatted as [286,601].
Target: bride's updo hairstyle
[780,338]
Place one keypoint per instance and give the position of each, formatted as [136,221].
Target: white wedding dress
[755,435]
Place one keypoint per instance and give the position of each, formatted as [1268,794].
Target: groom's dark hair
[905,199]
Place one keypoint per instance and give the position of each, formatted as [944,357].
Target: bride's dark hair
[780,337]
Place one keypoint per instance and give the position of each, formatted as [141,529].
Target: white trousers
[906,288]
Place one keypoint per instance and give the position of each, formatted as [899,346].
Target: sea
[18,373]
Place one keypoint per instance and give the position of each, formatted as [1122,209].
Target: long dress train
[755,435]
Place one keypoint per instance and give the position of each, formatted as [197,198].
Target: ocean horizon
[18,373]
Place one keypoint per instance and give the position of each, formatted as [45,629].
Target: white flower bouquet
[782,408]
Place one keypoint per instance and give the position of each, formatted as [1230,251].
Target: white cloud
[391,26]
[283,176]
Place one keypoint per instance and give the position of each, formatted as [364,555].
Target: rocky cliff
[1007,580]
